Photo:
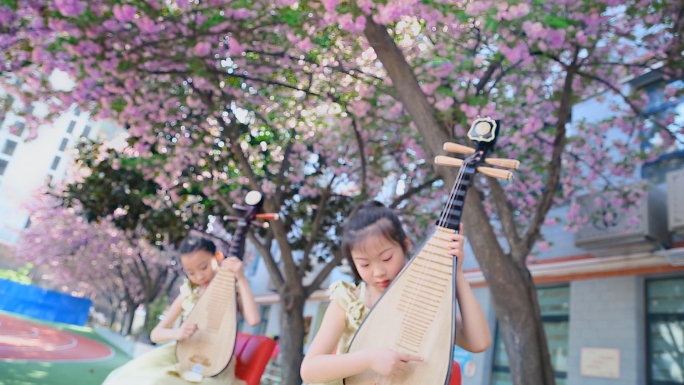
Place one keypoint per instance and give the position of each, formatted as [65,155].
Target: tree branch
[362,154]
[554,170]
[315,229]
[270,262]
[411,192]
[323,274]
[505,213]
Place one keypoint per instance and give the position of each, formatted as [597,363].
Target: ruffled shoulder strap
[190,294]
[342,292]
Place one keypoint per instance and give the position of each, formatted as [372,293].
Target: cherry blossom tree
[95,257]
[320,103]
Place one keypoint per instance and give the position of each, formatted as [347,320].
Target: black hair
[368,219]
[195,243]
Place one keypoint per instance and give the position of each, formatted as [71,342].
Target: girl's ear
[407,243]
[219,256]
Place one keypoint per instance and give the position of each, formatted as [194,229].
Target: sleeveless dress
[158,366]
[355,312]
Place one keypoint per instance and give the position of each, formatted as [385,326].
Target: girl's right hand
[186,330]
[387,362]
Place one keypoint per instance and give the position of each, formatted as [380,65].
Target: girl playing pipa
[376,248]
[200,261]
[400,325]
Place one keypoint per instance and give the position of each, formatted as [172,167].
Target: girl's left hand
[456,247]
[235,265]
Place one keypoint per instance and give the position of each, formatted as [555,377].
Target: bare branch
[412,191]
[271,265]
[554,170]
[316,227]
[632,105]
[323,274]
[505,213]
[362,154]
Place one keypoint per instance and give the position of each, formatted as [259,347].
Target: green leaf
[13,4]
[118,105]
[557,22]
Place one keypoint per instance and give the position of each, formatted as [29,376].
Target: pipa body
[215,313]
[417,313]
[210,349]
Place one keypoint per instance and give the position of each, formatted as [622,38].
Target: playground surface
[34,352]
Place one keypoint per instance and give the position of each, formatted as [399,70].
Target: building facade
[26,165]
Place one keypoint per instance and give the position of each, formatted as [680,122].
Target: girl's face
[200,266]
[378,261]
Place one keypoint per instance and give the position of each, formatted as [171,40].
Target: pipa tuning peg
[458,148]
[239,207]
[268,216]
[499,162]
[493,172]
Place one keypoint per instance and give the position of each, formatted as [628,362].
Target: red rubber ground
[25,340]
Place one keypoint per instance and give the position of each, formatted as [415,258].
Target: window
[72,124]
[18,128]
[28,223]
[665,331]
[63,145]
[86,131]
[77,112]
[555,309]
[55,163]
[3,166]
[9,147]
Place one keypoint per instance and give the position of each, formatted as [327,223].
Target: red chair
[455,374]
[253,353]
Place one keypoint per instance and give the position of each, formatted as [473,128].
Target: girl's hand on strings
[387,362]
[235,265]
[186,330]
[456,246]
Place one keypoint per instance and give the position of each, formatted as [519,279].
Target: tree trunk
[127,322]
[291,336]
[510,284]
[112,317]
[515,300]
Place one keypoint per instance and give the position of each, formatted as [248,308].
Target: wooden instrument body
[422,304]
[213,344]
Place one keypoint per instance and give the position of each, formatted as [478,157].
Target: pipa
[416,314]
[209,351]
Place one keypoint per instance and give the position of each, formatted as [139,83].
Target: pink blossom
[70,8]
[124,14]
[330,5]
[234,47]
[202,48]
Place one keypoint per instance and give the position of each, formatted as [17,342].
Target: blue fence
[39,303]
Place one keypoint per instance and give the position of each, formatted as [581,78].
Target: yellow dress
[355,312]
[158,366]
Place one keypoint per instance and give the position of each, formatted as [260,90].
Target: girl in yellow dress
[200,261]
[376,247]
